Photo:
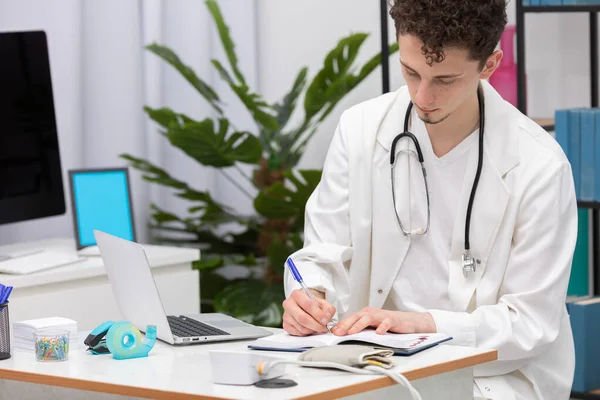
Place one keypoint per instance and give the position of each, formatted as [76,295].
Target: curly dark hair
[473,25]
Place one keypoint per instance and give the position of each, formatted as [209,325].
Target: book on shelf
[585,323]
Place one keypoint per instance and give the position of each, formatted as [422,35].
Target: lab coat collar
[500,156]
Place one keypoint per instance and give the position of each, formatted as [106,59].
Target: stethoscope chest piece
[468,263]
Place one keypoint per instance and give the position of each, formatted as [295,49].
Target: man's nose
[425,94]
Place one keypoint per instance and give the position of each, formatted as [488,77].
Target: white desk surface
[184,372]
[158,256]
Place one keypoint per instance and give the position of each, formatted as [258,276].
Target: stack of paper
[23,331]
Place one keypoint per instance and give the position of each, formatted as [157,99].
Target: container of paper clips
[51,345]
[4,332]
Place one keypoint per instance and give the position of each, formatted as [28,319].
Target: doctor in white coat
[373,257]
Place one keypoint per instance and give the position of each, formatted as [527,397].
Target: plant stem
[230,179]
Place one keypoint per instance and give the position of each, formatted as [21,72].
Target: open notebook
[402,344]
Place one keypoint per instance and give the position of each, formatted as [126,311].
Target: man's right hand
[303,316]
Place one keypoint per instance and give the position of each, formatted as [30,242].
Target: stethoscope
[467,259]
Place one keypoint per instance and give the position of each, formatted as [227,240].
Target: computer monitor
[101,200]
[31,184]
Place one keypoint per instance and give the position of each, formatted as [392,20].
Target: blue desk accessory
[298,278]
[5,292]
[121,339]
[96,340]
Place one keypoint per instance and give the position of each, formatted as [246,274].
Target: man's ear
[492,62]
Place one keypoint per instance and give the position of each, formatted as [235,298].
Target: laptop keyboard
[187,327]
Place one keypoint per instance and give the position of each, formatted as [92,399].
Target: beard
[429,119]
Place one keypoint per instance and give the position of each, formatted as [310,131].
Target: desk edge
[136,391]
[97,386]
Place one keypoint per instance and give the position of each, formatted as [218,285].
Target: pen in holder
[4,332]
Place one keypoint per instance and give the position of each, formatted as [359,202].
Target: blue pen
[298,278]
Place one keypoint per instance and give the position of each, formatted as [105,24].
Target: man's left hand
[384,321]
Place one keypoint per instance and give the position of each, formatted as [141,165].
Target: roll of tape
[125,341]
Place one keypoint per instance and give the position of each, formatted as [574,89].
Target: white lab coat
[524,229]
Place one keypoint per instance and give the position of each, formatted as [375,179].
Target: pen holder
[4,332]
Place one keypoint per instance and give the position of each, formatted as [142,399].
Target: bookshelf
[522,10]
[565,8]
[548,123]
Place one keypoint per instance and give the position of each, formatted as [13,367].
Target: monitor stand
[89,251]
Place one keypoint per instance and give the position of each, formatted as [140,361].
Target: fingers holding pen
[301,317]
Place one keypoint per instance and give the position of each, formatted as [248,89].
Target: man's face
[440,89]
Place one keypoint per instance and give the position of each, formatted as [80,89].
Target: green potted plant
[267,237]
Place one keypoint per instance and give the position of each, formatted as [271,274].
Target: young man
[365,254]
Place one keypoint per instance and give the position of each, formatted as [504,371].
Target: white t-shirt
[422,280]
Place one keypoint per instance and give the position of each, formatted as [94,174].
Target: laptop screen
[101,200]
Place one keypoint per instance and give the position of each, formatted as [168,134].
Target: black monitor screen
[30,173]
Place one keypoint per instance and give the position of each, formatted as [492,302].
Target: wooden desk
[184,373]
[83,293]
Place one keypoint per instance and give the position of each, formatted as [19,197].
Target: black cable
[385,51]
[479,166]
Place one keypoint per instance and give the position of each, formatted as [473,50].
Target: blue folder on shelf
[574,154]
[587,133]
[585,323]
[402,344]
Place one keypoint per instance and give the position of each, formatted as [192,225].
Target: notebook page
[286,340]
[395,340]
[392,340]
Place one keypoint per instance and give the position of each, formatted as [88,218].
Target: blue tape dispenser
[121,339]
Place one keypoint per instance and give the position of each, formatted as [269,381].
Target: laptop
[139,301]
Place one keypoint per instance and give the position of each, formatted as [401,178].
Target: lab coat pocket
[494,388]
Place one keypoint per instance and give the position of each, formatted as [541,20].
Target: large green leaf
[188,73]
[274,141]
[225,37]
[207,212]
[154,174]
[279,251]
[336,79]
[286,107]
[164,116]
[260,110]
[253,301]
[213,147]
[211,283]
[212,261]
[335,68]
[278,201]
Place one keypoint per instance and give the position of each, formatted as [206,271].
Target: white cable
[398,377]
[368,370]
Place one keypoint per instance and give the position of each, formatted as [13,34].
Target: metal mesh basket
[4,332]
